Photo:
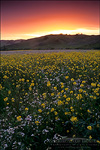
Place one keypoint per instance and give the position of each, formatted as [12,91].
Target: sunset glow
[29,19]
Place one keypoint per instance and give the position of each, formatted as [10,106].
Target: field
[47,94]
[38,51]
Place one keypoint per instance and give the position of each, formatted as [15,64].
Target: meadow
[47,94]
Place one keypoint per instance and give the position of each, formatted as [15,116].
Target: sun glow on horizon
[39,34]
[31,19]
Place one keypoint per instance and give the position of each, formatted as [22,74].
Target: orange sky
[28,19]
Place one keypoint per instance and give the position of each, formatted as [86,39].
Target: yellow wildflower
[64,96]
[9,92]
[88,111]
[62,91]
[67,131]
[13,100]
[30,88]
[74,83]
[37,123]
[66,89]
[39,110]
[55,113]
[48,83]
[80,76]
[62,86]
[47,113]
[91,96]
[72,79]
[98,141]
[60,103]
[43,105]
[93,84]
[81,85]
[72,110]
[83,81]
[74,135]
[23,79]
[71,107]
[80,90]
[52,94]
[44,95]
[66,77]
[68,99]
[79,96]
[74,119]
[55,88]
[89,127]
[32,84]
[0,86]
[5,99]
[98,85]
[5,77]
[90,137]
[26,108]
[66,102]
[52,109]
[94,97]
[71,92]
[19,118]
[62,83]
[66,113]
[56,118]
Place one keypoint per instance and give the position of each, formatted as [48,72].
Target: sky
[29,19]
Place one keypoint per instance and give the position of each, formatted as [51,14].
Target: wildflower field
[47,94]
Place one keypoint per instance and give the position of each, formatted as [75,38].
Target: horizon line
[48,35]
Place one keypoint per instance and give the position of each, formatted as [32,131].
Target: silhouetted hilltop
[78,41]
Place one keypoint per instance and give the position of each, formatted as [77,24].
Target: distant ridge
[78,41]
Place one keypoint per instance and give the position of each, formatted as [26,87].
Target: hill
[78,41]
[9,42]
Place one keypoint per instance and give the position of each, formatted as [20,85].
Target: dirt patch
[38,51]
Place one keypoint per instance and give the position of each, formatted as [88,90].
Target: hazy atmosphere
[28,19]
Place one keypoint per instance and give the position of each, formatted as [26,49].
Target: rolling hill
[78,41]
